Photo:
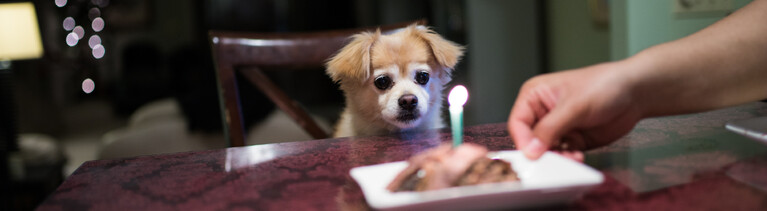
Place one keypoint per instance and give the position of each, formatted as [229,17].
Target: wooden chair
[249,53]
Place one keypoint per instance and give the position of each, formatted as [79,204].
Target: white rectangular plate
[552,179]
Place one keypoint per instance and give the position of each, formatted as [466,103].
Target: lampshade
[19,33]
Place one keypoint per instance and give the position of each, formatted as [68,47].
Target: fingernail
[535,148]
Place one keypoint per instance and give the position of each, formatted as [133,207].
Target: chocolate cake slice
[445,166]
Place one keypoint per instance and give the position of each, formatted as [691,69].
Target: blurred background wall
[505,44]
[637,25]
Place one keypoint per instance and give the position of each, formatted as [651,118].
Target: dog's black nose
[408,102]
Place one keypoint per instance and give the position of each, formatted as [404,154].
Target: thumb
[552,127]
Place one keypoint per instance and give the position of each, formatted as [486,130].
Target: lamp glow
[457,97]
[19,33]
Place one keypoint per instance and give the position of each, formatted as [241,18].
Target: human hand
[573,110]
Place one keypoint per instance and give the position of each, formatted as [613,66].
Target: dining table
[682,162]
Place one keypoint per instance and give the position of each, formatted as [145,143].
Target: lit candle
[457,97]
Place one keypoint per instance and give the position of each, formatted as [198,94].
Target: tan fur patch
[370,50]
[353,61]
[399,49]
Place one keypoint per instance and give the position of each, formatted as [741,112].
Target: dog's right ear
[352,62]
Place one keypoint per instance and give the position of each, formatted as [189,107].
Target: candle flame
[458,96]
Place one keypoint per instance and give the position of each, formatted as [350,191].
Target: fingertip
[521,134]
[534,149]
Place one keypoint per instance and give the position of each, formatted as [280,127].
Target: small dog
[393,82]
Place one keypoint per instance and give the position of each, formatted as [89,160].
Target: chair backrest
[249,53]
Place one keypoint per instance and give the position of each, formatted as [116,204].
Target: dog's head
[397,77]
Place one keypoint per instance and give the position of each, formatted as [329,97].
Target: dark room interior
[113,82]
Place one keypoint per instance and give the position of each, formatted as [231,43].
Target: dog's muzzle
[408,102]
[408,108]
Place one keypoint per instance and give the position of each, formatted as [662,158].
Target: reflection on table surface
[675,162]
[662,152]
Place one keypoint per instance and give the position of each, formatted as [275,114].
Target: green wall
[637,25]
[503,51]
[574,39]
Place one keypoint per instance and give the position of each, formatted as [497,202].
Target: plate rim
[580,187]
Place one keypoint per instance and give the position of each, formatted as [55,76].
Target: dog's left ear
[352,63]
[446,53]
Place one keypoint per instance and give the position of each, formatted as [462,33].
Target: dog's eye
[383,82]
[422,78]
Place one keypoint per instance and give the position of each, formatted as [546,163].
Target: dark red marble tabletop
[670,163]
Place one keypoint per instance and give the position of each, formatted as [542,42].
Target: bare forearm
[722,65]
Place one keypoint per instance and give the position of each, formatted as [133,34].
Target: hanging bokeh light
[72,39]
[94,13]
[79,31]
[60,3]
[69,23]
[94,40]
[88,86]
[97,24]
[98,51]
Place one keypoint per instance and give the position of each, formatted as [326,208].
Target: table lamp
[19,32]
[19,40]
